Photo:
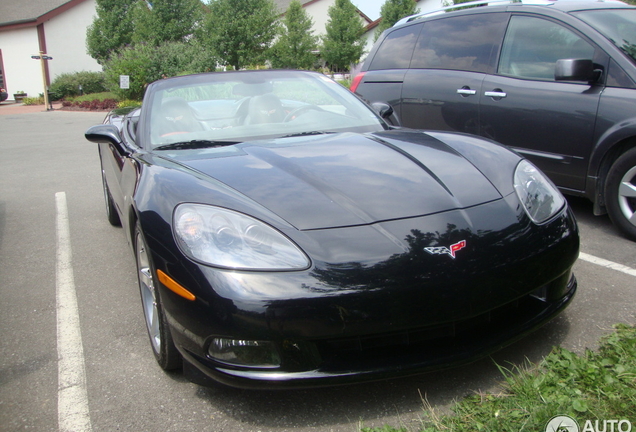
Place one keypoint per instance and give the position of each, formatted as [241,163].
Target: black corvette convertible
[286,236]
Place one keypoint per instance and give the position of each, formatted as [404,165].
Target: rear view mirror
[575,70]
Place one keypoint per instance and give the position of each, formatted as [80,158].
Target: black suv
[555,81]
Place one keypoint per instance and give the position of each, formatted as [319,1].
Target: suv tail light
[356,82]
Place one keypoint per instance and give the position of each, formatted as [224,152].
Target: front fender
[615,132]
[613,137]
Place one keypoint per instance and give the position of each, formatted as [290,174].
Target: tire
[620,193]
[163,347]
[111,210]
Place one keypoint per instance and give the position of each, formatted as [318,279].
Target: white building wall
[21,72]
[430,5]
[319,13]
[369,38]
[66,40]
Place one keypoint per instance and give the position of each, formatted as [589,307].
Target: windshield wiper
[308,133]
[195,144]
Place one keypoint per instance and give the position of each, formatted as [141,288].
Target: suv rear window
[397,49]
[469,43]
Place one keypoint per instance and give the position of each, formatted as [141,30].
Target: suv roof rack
[469,4]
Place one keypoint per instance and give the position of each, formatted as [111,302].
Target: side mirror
[575,70]
[383,109]
[107,134]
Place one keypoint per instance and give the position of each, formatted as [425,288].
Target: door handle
[466,91]
[496,93]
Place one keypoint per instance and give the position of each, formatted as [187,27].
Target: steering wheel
[299,111]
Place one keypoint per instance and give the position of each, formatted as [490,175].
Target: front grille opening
[433,342]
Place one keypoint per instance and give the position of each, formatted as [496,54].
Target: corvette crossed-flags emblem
[440,250]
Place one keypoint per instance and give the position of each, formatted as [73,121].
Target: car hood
[347,179]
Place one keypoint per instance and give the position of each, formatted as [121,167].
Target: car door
[522,106]
[118,168]
[451,58]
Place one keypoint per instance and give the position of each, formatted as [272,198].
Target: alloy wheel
[148,294]
[627,195]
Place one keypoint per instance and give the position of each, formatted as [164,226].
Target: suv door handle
[466,91]
[496,93]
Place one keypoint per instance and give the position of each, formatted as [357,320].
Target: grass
[597,385]
[346,83]
[93,96]
[33,100]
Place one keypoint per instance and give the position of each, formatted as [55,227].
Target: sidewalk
[10,107]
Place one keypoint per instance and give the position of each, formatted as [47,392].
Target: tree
[240,31]
[392,11]
[111,29]
[163,21]
[343,44]
[294,48]
[120,23]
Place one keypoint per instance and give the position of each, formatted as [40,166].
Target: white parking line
[609,264]
[72,400]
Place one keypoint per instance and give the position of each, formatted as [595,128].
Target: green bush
[145,63]
[180,58]
[135,62]
[68,84]
[128,103]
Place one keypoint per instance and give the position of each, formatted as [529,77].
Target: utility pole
[43,57]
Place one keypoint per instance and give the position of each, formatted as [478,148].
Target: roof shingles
[23,11]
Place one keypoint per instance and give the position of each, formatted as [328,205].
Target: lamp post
[43,57]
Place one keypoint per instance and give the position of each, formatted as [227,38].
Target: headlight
[540,198]
[224,238]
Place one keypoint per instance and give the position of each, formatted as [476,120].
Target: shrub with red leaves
[106,104]
[94,105]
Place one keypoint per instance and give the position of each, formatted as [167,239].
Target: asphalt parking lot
[46,157]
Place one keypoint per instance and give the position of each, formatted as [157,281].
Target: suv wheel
[620,193]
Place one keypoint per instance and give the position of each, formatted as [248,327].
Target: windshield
[618,25]
[226,108]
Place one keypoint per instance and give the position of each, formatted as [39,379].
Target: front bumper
[358,359]
[390,310]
